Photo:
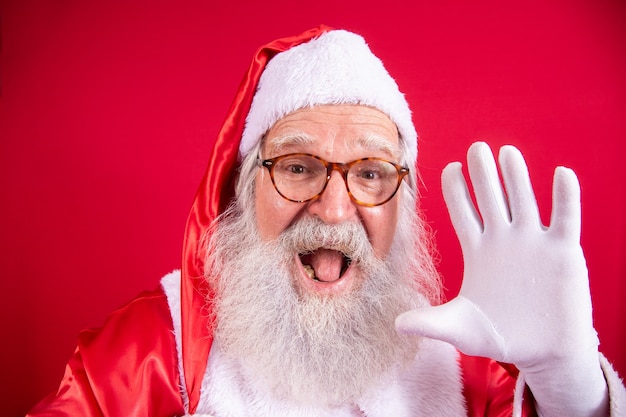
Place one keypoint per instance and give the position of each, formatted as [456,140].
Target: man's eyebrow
[379,143]
[290,139]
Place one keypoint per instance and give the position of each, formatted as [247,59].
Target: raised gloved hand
[525,294]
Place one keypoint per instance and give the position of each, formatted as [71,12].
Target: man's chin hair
[305,348]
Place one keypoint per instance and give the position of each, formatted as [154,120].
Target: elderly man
[308,288]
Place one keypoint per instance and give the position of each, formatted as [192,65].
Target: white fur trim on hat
[335,68]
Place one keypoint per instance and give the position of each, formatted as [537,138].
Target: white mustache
[310,234]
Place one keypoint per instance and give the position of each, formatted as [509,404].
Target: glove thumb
[458,322]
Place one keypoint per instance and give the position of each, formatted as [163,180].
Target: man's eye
[296,169]
[370,175]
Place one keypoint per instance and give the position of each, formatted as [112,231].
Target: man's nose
[334,205]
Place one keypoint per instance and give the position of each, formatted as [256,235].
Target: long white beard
[305,348]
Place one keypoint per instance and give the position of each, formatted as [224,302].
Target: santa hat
[335,68]
[320,66]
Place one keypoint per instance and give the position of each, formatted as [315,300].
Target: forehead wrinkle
[372,142]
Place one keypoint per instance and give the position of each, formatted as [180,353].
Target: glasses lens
[299,177]
[373,181]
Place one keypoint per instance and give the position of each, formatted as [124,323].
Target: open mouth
[325,265]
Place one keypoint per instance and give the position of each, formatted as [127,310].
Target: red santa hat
[320,66]
[335,68]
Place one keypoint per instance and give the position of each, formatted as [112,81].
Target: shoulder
[146,315]
[132,358]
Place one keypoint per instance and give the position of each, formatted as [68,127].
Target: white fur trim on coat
[617,391]
[171,286]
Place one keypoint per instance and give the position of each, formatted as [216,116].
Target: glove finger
[565,218]
[490,197]
[463,215]
[519,190]
[458,322]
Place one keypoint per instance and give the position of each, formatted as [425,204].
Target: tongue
[327,264]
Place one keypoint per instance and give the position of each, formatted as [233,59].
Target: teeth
[309,270]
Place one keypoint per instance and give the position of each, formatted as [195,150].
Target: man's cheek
[380,225]
[273,218]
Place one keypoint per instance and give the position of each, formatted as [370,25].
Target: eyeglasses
[301,177]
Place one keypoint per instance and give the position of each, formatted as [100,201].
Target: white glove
[525,294]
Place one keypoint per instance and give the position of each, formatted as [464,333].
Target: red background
[108,109]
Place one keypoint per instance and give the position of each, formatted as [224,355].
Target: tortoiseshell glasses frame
[302,177]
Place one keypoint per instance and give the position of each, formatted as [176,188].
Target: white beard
[305,348]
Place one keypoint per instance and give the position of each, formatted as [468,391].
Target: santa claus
[308,288]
